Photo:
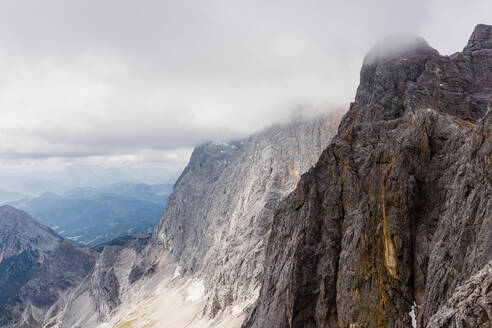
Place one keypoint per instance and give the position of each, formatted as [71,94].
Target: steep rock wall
[395,218]
[218,218]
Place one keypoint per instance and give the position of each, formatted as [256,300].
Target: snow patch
[87,242]
[195,291]
[223,144]
[177,272]
[412,316]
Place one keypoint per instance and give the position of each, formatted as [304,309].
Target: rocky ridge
[390,228]
[213,231]
[394,219]
[20,233]
[218,218]
[24,245]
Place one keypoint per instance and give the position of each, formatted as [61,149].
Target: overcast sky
[139,83]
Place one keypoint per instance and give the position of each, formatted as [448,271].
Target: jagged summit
[24,245]
[419,78]
[481,38]
[19,232]
[392,226]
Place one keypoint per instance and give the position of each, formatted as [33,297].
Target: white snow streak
[195,291]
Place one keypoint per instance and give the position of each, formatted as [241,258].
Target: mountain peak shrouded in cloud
[398,46]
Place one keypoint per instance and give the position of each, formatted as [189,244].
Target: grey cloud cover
[121,82]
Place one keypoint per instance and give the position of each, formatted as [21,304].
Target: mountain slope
[150,193]
[41,299]
[207,252]
[24,245]
[96,219]
[218,218]
[394,219]
[10,196]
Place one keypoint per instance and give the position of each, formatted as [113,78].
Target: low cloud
[135,83]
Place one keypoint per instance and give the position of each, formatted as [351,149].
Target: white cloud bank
[134,83]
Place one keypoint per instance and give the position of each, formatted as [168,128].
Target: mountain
[40,273]
[393,226]
[50,284]
[207,252]
[61,180]
[218,218]
[10,196]
[151,193]
[97,218]
[24,244]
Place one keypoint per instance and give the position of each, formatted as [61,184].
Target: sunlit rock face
[395,217]
[216,222]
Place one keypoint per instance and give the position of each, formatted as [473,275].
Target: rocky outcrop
[390,228]
[213,230]
[44,294]
[395,218]
[217,220]
[19,233]
[120,264]
[470,304]
[24,244]
[81,287]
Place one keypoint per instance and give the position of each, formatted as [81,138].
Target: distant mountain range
[9,196]
[152,193]
[383,221]
[91,216]
[59,181]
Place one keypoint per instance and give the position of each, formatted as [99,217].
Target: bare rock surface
[217,220]
[24,245]
[396,216]
[392,227]
[19,232]
[211,240]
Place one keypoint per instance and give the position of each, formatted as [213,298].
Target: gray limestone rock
[24,245]
[396,216]
[218,218]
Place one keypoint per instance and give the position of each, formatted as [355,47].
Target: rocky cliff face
[43,297]
[213,231]
[390,228]
[37,269]
[24,244]
[393,226]
[19,233]
[81,287]
[218,218]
